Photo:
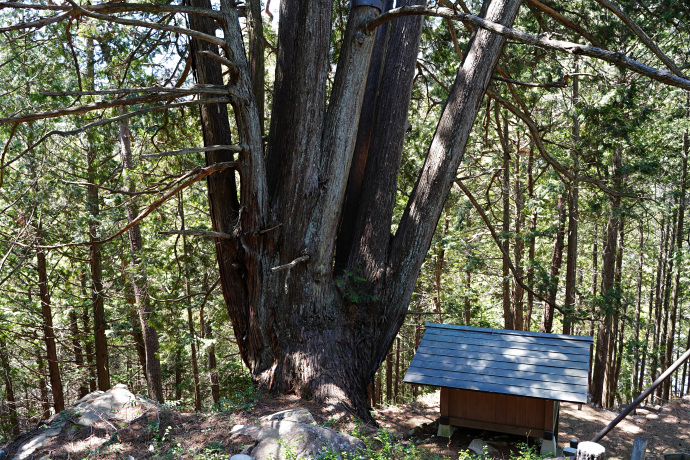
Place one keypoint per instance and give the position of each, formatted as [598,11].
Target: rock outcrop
[117,405]
[292,434]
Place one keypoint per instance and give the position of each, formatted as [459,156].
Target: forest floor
[205,436]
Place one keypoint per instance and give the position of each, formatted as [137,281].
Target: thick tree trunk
[556,262]
[138,275]
[299,327]
[607,291]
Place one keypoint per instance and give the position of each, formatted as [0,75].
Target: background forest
[573,182]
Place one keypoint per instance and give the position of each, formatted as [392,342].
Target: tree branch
[642,36]
[118,7]
[619,59]
[196,89]
[210,148]
[37,23]
[292,264]
[190,178]
[565,21]
[552,84]
[197,233]
[500,247]
[89,108]
[111,120]
[149,25]
[226,62]
[534,132]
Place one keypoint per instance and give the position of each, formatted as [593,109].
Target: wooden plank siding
[529,364]
[498,412]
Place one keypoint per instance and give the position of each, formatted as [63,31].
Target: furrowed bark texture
[302,325]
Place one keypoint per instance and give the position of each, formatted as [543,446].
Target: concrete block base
[445,431]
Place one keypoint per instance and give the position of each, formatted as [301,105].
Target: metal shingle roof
[538,365]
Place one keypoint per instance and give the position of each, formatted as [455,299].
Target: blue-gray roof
[538,365]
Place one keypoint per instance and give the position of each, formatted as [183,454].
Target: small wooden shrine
[502,380]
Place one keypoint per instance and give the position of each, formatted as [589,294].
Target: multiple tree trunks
[300,325]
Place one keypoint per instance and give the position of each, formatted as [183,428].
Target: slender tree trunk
[679,250]
[685,368]
[508,318]
[613,364]
[389,376]
[658,298]
[97,293]
[556,262]
[397,372]
[43,388]
[195,365]
[573,213]
[519,249]
[210,357]
[438,272]
[138,274]
[650,325]
[607,291]
[595,273]
[88,339]
[13,417]
[531,240]
[48,330]
[78,352]
[190,317]
[638,312]
[667,301]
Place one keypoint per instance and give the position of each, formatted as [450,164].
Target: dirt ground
[666,429]
[170,434]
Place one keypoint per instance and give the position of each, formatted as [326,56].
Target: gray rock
[479,445]
[279,438]
[101,405]
[290,415]
[236,457]
[36,443]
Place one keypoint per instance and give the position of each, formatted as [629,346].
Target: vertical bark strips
[299,327]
